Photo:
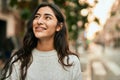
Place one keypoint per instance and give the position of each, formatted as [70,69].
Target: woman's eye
[36,17]
[48,18]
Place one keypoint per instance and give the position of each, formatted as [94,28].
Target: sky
[102,12]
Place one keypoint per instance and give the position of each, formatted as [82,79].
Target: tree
[76,21]
[25,7]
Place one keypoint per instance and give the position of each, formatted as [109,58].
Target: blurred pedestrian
[45,54]
[8,47]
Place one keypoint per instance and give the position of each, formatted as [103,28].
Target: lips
[40,29]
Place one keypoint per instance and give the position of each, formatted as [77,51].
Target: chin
[39,36]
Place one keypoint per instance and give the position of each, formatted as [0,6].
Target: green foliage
[72,11]
[25,14]
[13,3]
[25,7]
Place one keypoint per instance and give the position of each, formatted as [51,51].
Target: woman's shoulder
[73,58]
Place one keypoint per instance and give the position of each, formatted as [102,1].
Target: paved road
[113,55]
[109,60]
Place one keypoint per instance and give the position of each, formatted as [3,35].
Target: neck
[45,45]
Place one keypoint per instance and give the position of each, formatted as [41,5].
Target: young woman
[45,54]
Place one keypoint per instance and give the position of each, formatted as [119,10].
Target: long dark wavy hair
[24,54]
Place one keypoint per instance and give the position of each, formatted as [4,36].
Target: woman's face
[45,23]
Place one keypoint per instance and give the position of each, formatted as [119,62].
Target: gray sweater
[45,66]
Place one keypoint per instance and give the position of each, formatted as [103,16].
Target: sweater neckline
[44,53]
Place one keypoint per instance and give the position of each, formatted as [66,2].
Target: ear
[59,27]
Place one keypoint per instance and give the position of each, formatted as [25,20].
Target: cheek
[52,28]
[52,24]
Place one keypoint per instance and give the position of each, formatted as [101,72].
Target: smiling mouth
[40,29]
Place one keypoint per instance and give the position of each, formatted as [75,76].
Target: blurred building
[10,28]
[110,35]
[112,26]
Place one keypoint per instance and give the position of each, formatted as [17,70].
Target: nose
[40,20]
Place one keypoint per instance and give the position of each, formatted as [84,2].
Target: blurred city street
[101,64]
[93,28]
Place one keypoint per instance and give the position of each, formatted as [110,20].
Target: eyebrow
[47,14]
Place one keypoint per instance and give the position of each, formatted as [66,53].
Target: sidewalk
[104,63]
[113,68]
